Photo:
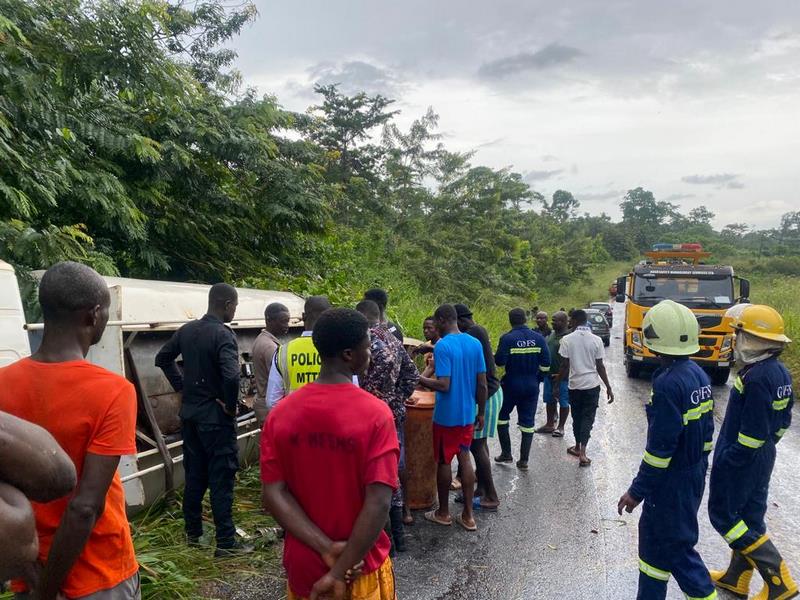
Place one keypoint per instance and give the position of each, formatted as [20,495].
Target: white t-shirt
[582,348]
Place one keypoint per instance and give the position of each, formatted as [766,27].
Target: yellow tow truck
[680,272]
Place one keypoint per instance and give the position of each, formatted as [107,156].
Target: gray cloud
[549,158]
[676,197]
[596,196]
[549,56]
[709,179]
[728,181]
[490,143]
[532,176]
[357,76]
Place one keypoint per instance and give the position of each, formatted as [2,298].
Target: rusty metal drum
[420,462]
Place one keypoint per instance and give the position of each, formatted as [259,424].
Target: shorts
[449,441]
[563,393]
[130,589]
[378,585]
[491,414]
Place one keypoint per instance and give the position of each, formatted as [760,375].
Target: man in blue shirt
[524,354]
[759,413]
[672,474]
[460,385]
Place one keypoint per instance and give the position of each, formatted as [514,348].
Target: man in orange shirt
[85,542]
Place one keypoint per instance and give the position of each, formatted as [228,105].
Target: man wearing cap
[759,413]
[672,474]
[524,354]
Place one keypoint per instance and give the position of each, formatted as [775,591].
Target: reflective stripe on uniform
[656,461]
[750,442]
[736,532]
[711,596]
[500,422]
[526,429]
[780,432]
[738,384]
[698,411]
[532,350]
[780,404]
[544,369]
[653,572]
[708,446]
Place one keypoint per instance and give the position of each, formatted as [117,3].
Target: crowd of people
[332,405]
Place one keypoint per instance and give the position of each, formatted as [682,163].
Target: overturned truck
[143,316]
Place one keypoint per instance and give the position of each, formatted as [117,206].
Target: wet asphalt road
[557,534]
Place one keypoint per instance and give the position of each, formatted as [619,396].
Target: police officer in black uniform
[210,387]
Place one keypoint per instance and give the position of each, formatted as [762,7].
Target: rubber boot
[505,444]
[398,529]
[524,450]
[736,578]
[778,582]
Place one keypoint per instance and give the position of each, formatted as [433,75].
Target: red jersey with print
[328,443]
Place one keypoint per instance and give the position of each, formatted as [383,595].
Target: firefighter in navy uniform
[758,415]
[672,474]
[210,393]
[524,354]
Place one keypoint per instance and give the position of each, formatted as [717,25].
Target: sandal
[431,516]
[585,462]
[544,429]
[460,521]
[558,433]
[573,451]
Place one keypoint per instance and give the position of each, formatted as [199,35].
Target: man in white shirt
[582,360]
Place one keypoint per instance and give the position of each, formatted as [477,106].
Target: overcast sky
[698,102]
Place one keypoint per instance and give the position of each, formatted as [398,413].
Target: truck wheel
[631,369]
[720,376]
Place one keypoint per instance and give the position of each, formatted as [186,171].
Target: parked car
[597,321]
[606,309]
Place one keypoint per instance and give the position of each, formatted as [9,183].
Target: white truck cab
[13,337]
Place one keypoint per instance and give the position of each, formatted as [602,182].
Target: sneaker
[193,541]
[503,458]
[522,465]
[237,549]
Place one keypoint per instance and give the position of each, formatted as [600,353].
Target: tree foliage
[127,142]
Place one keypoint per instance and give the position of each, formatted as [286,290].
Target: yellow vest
[298,363]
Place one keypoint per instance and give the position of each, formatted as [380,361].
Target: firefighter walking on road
[524,354]
[758,415]
[671,478]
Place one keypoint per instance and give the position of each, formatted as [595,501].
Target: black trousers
[584,409]
[210,460]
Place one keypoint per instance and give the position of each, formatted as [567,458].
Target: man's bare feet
[574,451]
[585,461]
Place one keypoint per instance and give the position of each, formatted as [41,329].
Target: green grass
[783,293]
[170,569]
[410,307]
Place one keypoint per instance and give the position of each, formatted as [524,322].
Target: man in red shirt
[84,539]
[329,456]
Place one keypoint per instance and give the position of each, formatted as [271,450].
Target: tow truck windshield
[694,292]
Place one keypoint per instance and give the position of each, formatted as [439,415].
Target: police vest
[298,363]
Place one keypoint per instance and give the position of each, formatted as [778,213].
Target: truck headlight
[727,342]
[636,338]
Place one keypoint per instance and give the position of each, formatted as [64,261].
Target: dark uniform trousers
[668,533]
[210,460]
